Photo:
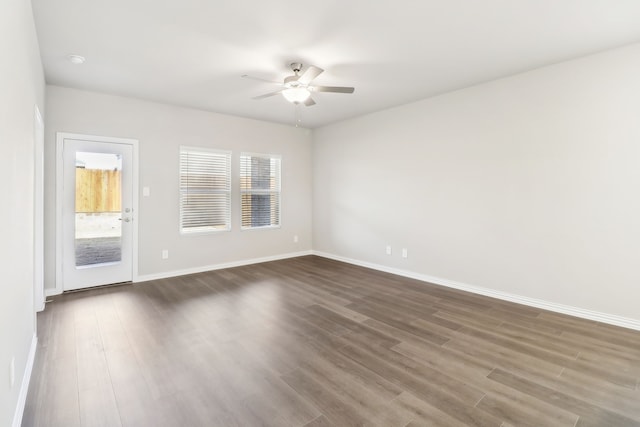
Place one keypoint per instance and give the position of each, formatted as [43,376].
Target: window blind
[205,190]
[260,190]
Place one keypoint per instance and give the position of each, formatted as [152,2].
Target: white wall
[527,185]
[161,129]
[21,88]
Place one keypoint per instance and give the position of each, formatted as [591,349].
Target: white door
[97,212]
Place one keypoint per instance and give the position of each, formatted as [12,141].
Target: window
[260,190]
[205,190]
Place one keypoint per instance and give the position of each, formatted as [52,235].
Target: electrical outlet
[165,254]
[388,249]
[405,253]
[295,239]
[12,371]
[146,191]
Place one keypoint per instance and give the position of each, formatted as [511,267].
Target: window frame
[228,191]
[277,157]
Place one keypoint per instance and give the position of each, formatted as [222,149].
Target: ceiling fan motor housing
[292,81]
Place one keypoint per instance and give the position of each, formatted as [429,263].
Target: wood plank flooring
[313,342]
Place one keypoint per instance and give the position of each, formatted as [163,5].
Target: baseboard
[212,267]
[24,387]
[611,319]
[173,273]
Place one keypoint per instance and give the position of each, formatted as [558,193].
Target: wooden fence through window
[98,190]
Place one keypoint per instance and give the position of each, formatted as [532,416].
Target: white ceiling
[193,52]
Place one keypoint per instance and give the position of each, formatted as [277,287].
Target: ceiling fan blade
[267,95]
[336,89]
[309,74]
[309,102]
[246,76]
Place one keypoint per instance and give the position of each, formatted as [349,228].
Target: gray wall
[161,129]
[21,88]
[527,185]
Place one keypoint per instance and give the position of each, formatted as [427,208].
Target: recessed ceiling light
[76,59]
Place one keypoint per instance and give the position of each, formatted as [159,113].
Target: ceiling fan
[297,88]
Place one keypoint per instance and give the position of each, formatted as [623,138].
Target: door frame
[38,212]
[60,137]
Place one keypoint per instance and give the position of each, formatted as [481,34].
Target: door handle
[125,219]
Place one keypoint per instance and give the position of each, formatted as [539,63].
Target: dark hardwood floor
[314,342]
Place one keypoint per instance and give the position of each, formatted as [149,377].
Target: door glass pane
[98,232]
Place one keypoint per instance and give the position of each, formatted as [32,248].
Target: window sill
[204,232]
[266,227]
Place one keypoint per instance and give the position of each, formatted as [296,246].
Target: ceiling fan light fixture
[296,95]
